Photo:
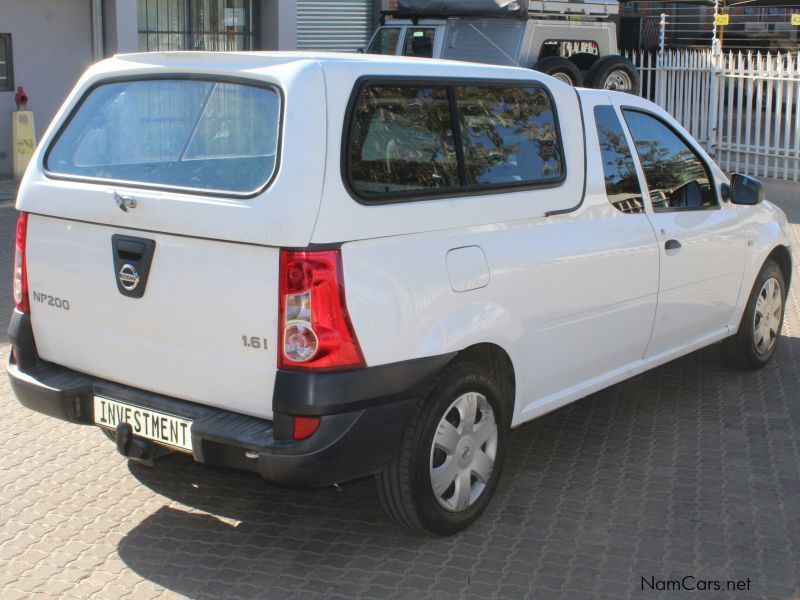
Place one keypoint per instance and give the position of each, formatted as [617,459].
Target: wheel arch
[783,256]
[772,245]
[500,365]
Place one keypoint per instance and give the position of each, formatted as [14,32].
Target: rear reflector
[20,267]
[304,427]
[315,331]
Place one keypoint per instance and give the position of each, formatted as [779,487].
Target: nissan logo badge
[128,277]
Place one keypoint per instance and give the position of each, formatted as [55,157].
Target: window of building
[676,176]
[195,25]
[419,42]
[184,133]
[405,140]
[509,135]
[622,183]
[6,64]
[385,41]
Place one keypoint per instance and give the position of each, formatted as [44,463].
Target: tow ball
[138,450]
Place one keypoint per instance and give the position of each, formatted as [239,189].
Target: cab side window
[622,183]
[677,177]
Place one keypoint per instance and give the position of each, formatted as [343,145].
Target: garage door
[334,25]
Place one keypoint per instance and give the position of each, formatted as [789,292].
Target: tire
[613,72]
[755,343]
[562,69]
[584,60]
[406,486]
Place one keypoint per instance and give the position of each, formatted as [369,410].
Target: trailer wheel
[613,73]
[562,69]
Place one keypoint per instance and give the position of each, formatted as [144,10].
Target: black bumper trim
[357,436]
[20,334]
[313,394]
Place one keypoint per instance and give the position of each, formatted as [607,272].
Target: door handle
[130,250]
[672,245]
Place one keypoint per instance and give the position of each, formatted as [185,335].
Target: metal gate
[744,108]
[334,25]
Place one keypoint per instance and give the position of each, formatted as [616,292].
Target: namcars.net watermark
[690,583]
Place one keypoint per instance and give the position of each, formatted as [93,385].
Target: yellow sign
[23,139]
[796,19]
[722,19]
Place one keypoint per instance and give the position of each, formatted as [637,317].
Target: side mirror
[745,190]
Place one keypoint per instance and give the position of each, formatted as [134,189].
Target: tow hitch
[141,451]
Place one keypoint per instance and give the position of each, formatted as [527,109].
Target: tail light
[315,330]
[20,269]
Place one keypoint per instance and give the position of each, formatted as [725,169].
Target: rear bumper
[363,414]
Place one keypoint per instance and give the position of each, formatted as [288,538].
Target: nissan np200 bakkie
[320,267]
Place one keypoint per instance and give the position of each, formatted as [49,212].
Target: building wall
[278,22]
[120,27]
[52,46]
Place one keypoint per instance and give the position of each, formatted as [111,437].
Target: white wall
[52,46]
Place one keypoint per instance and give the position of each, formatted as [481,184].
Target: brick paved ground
[692,469]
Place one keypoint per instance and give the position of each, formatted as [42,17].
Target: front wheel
[755,343]
[449,463]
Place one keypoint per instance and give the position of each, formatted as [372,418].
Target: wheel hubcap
[619,80]
[563,77]
[767,318]
[463,452]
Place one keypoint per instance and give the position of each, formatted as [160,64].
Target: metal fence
[744,108]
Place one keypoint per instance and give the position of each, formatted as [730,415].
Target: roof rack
[573,7]
[504,8]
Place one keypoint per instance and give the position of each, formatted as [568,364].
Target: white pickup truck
[320,267]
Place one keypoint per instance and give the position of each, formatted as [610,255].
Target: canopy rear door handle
[672,245]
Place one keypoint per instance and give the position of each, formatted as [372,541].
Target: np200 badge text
[317,267]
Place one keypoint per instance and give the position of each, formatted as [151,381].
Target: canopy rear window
[215,136]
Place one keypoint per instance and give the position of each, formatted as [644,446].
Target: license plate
[159,427]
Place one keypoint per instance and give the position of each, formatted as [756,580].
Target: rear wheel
[613,73]
[449,462]
[561,68]
[755,343]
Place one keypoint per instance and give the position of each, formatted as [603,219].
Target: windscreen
[186,133]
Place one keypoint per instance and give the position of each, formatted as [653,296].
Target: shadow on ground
[691,469]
